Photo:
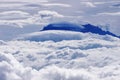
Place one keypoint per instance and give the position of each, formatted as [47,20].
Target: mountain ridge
[77,28]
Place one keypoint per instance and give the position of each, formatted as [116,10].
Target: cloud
[20,18]
[11,69]
[91,57]
[51,35]
[110,13]
[11,15]
[49,14]
[56,4]
[24,1]
[60,60]
[57,35]
[10,5]
[88,4]
[14,23]
[56,73]
[13,12]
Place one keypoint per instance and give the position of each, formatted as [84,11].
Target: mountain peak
[78,28]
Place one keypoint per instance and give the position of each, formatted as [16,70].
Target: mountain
[77,28]
[68,31]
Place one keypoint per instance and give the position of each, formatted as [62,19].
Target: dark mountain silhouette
[78,28]
[63,26]
[96,30]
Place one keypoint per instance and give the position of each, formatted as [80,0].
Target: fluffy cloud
[11,69]
[92,57]
[60,60]
[56,73]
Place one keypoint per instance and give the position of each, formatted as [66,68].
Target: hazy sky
[22,13]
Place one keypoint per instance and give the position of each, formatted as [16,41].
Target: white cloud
[13,12]
[11,69]
[72,59]
[52,35]
[10,5]
[110,13]
[88,4]
[24,1]
[20,18]
[14,15]
[49,14]
[56,4]
[57,35]
[56,73]
[68,60]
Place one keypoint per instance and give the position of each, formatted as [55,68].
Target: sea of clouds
[67,56]
[85,59]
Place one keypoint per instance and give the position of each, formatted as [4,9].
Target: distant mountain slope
[74,27]
[68,31]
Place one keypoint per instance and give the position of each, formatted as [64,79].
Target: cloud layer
[75,56]
[85,59]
